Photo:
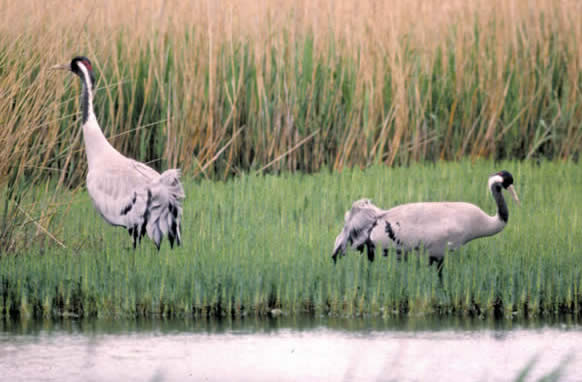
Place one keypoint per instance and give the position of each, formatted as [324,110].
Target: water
[287,350]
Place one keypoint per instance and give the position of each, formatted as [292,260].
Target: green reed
[258,243]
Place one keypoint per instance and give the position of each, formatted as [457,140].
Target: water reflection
[297,323]
[287,349]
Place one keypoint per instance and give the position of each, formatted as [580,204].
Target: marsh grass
[258,243]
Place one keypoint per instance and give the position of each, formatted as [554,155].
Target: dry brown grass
[379,37]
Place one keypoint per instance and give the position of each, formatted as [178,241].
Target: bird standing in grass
[125,192]
[435,227]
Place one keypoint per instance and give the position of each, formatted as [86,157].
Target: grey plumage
[125,192]
[359,222]
[437,227]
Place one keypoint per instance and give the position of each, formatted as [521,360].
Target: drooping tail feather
[166,210]
[359,222]
[341,242]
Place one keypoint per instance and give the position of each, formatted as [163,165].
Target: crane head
[506,180]
[79,65]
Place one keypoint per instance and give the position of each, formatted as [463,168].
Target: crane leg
[133,233]
[439,261]
[370,250]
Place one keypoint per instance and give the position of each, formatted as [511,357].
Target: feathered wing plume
[165,212]
[359,221]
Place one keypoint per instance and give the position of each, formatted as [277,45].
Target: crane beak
[514,194]
[61,67]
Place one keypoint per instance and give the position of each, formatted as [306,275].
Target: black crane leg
[371,250]
[439,261]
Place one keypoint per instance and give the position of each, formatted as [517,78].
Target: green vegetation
[255,244]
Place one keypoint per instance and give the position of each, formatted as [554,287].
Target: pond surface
[288,350]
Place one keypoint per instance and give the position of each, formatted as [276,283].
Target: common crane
[125,192]
[434,226]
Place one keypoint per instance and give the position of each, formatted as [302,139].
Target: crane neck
[96,145]
[86,95]
[502,212]
[490,225]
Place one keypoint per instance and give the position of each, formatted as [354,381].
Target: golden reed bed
[220,87]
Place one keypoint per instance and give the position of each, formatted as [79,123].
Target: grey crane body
[124,191]
[436,227]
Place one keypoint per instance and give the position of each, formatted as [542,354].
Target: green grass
[256,243]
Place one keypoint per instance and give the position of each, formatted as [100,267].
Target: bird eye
[87,64]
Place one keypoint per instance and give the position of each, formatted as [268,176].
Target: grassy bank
[254,244]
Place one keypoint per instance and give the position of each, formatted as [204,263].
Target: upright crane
[125,192]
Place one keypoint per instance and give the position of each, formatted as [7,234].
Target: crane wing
[121,194]
[147,173]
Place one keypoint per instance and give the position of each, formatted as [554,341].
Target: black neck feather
[85,102]
[501,206]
